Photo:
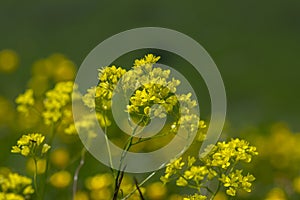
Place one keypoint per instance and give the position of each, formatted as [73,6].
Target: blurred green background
[255,44]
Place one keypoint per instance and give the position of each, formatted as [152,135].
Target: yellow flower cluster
[235,180]
[99,97]
[171,169]
[218,164]
[155,89]
[15,187]
[147,60]
[226,153]
[152,94]
[31,145]
[25,101]
[56,100]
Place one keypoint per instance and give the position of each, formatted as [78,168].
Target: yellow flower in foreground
[60,179]
[30,145]
[14,186]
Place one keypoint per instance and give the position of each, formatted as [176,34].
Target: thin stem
[138,188]
[140,185]
[120,174]
[35,178]
[129,143]
[208,189]
[149,138]
[52,136]
[75,178]
[217,190]
[107,144]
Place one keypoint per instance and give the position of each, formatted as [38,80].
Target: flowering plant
[152,94]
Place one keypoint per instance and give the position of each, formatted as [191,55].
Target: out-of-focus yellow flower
[9,61]
[276,194]
[43,67]
[175,197]
[41,166]
[55,67]
[39,84]
[64,71]
[99,181]
[81,195]
[4,170]
[156,191]
[101,194]
[282,148]
[60,158]
[220,196]
[60,179]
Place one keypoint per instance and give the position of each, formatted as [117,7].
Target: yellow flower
[99,181]
[195,197]
[60,158]
[276,193]
[149,59]
[14,186]
[9,61]
[181,182]
[56,100]
[60,179]
[41,166]
[30,145]
[80,195]
[156,190]
[25,101]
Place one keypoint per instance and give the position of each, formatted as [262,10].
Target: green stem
[107,145]
[149,138]
[52,136]
[119,176]
[217,190]
[35,178]
[75,178]
[139,185]
[129,143]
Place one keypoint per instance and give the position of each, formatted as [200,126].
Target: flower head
[25,101]
[31,145]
